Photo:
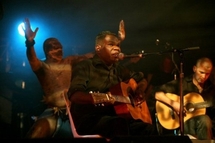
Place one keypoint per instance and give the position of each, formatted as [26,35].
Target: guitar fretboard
[123,99]
[202,105]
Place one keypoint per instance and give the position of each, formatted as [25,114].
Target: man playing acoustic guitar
[95,113]
[198,93]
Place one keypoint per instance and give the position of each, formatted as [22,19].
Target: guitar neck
[103,97]
[202,105]
[122,99]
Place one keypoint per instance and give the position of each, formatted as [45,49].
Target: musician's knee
[204,121]
[41,128]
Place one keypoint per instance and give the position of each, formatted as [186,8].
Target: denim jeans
[199,126]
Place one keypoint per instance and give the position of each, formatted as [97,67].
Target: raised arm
[30,52]
[77,58]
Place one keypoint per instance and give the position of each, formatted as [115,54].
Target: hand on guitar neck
[102,98]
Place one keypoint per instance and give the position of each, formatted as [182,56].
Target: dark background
[177,24]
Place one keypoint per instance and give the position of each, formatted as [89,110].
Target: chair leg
[158,126]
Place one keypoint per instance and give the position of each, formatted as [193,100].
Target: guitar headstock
[101,98]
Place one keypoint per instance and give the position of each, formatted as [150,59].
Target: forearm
[32,58]
[161,96]
[89,55]
[81,98]
[31,54]
[77,58]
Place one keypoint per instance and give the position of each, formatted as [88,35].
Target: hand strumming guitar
[176,106]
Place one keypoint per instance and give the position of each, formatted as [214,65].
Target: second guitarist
[199,126]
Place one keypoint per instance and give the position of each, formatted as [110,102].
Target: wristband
[29,44]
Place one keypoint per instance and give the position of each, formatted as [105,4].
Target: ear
[98,48]
[194,68]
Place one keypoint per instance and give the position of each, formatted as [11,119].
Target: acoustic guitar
[194,105]
[126,104]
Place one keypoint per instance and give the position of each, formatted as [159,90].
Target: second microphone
[121,56]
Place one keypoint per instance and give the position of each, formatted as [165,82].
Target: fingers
[121,25]
[23,27]
[29,33]
[109,94]
[121,32]
[27,23]
[183,112]
[111,98]
[36,30]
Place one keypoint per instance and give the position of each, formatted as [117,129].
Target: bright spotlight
[20,29]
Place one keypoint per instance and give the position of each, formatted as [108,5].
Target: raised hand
[121,32]
[29,34]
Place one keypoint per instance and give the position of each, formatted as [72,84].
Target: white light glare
[20,29]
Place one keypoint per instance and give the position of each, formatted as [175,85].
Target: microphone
[121,56]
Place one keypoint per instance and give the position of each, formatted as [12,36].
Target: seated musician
[196,88]
[100,74]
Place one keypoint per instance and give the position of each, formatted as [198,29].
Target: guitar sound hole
[189,107]
[136,100]
[130,95]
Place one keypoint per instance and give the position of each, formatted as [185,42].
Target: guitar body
[140,111]
[169,119]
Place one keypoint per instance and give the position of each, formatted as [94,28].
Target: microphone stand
[181,76]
